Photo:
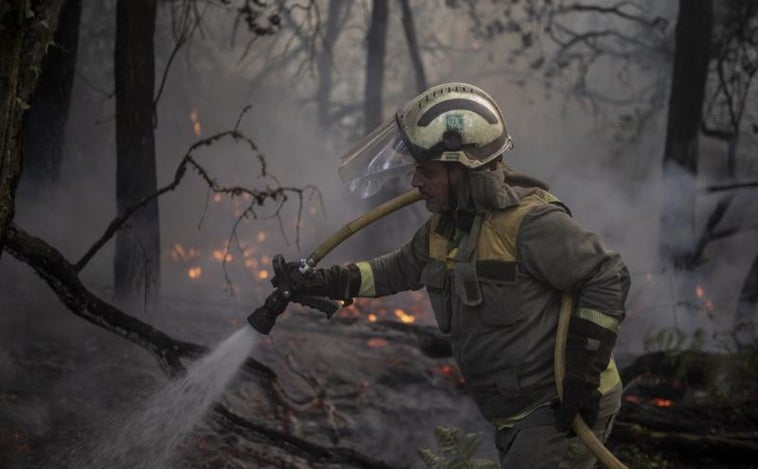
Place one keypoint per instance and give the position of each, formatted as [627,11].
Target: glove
[578,398]
[336,282]
[588,352]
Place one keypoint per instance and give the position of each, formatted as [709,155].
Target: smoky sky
[612,186]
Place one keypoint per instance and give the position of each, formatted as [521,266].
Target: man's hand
[589,345]
[578,398]
[336,282]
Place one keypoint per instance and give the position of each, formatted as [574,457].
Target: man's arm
[558,251]
[397,271]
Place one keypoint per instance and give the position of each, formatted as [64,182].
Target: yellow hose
[359,223]
[580,426]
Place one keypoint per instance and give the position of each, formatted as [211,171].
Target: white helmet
[448,122]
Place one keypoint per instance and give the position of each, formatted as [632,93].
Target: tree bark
[45,122]
[412,40]
[24,35]
[377,40]
[680,159]
[137,258]
[325,61]
[743,330]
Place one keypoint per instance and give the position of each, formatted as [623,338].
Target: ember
[196,127]
[662,402]
[403,317]
[194,272]
[376,342]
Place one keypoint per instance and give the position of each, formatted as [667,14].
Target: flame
[404,317]
[179,253]
[194,272]
[263,274]
[218,256]
[662,402]
[376,342]
[196,127]
[372,318]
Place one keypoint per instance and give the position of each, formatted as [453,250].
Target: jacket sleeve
[397,271]
[558,251]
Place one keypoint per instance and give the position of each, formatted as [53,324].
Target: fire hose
[264,317]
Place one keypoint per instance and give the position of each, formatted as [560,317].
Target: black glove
[588,352]
[578,397]
[336,282]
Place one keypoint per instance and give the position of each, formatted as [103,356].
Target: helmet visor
[378,158]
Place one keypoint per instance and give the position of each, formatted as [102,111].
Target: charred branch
[737,448]
[257,197]
[61,276]
[311,452]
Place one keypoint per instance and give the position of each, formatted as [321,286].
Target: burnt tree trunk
[45,122]
[137,258]
[412,40]
[680,165]
[325,61]
[24,35]
[377,44]
[747,308]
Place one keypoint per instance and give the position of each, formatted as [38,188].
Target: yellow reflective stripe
[368,289]
[549,198]
[602,320]
[509,422]
[609,377]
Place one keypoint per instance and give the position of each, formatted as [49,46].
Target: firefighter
[495,256]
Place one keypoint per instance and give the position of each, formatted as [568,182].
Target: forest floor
[346,384]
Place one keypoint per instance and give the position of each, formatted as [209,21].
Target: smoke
[612,184]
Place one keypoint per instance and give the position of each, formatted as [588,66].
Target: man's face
[435,184]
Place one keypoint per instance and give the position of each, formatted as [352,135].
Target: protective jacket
[495,285]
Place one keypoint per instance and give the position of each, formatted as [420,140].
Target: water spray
[264,317]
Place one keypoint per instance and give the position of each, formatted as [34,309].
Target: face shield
[378,158]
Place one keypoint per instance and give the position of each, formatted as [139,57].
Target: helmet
[449,122]
[454,122]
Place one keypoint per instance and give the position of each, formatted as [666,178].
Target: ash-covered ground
[346,382]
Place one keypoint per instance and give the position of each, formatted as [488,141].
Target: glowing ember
[376,342]
[218,256]
[180,253]
[372,317]
[195,122]
[662,402]
[404,317]
[261,236]
[194,272]
[447,370]
[632,399]
[263,274]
